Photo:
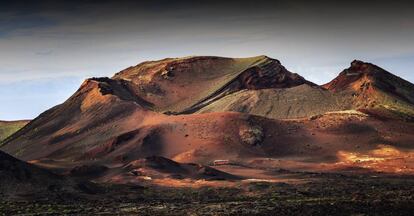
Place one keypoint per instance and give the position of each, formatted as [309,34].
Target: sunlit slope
[88,117]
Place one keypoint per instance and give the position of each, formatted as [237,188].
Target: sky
[47,48]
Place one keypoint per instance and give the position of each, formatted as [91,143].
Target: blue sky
[47,49]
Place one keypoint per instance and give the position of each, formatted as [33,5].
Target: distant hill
[7,128]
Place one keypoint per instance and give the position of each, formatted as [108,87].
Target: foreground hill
[7,128]
[160,169]
[18,178]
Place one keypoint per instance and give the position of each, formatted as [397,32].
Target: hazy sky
[47,48]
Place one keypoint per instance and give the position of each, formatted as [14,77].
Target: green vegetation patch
[7,128]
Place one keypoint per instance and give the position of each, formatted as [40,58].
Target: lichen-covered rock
[251,135]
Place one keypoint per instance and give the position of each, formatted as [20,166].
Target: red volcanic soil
[332,142]
[342,141]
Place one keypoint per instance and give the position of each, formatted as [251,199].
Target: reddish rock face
[271,75]
[347,77]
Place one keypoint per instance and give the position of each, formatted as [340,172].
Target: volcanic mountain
[105,112]
[177,108]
